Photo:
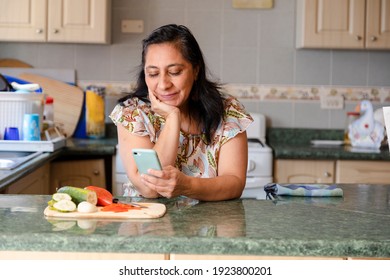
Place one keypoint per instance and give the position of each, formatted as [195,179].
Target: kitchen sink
[10,159]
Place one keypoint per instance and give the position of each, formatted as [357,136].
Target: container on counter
[31,127]
[48,114]
[14,105]
[48,111]
[95,111]
[11,133]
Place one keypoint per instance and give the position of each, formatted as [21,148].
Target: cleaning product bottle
[48,113]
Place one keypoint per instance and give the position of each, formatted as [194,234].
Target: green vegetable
[61,196]
[50,203]
[65,206]
[79,195]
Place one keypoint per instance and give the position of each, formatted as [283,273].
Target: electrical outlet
[132,26]
[332,102]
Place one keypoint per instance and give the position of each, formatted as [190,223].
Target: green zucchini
[79,195]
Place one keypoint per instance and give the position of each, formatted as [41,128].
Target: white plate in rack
[327,142]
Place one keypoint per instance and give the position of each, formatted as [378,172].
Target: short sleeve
[236,119]
[136,116]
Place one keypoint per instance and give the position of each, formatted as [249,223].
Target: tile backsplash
[283,105]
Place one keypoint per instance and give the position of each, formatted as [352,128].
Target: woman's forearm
[168,140]
[214,189]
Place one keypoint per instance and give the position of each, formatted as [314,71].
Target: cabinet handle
[96,172]
[56,31]
[373,38]
[358,37]
[327,174]
[39,31]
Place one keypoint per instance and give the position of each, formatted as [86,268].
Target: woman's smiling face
[168,75]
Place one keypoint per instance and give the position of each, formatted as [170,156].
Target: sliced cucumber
[79,195]
[61,196]
[65,206]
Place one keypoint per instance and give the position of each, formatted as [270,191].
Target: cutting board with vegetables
[148,211]
[68,100]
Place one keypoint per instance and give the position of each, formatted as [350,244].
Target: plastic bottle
[48,114]
[48,111]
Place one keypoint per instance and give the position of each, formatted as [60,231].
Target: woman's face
[168,75]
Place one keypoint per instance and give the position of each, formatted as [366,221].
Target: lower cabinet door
[36,182]
[363,172]
[304,171]
[77,173]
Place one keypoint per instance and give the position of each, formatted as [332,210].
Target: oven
[260,159]
[260,162]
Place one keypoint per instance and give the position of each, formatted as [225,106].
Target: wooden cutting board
[68,100]
[152,211]
[10,62]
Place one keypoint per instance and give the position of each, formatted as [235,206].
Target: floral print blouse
[194,156]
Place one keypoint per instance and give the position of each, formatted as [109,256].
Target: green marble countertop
[296,144]
[355,225]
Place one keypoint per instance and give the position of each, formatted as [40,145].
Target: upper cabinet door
[330,23]
[378,24]
[79,21]
[23,20]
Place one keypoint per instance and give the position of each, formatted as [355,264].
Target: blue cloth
[302,190]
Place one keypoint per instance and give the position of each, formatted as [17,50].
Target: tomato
[119,207]
[104,197]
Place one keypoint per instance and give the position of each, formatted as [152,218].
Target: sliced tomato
[104,197]
[119,207]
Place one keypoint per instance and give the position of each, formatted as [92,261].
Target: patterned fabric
[194,156]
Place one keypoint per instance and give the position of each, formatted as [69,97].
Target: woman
[197,132]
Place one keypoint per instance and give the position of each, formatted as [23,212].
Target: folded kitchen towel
[274,189]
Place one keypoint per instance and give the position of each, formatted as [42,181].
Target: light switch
[253,4]
[132,26]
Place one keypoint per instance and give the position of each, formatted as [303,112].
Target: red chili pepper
[119,207]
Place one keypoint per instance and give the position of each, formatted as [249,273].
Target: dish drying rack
[53,140]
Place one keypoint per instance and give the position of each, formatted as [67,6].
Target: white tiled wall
[240,47]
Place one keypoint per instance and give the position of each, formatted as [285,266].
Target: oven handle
[251,165]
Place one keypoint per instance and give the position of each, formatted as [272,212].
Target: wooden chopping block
[10,62]
[150,211]
[68,100]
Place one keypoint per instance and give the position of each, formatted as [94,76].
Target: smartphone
[145,159]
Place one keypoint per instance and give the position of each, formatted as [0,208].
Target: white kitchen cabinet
[343,24]
[289,171]
[65,21]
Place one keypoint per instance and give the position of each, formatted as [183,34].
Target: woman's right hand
[160,107]
[169,182]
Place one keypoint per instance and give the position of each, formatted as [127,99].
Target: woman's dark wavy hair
[205,101]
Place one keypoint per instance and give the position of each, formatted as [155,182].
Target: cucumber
[65,206]
[79,195]
[61,196]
